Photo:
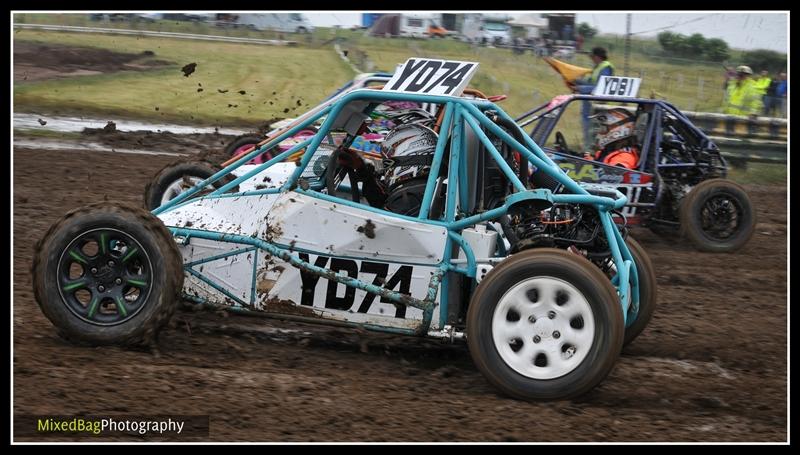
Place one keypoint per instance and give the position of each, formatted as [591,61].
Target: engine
[566,226]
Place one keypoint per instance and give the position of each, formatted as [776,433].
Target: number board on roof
[623,87]
[432,77]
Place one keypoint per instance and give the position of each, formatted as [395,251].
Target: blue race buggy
[678,184]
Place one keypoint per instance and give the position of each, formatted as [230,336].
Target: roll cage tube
[459,113]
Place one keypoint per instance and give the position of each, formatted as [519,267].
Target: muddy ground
[711,366]
[39,61]
[210,146]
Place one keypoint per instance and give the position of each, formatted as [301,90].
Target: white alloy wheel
[543,327]
[179,186]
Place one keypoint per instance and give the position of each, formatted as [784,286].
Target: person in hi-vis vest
[743,96]
[584,86]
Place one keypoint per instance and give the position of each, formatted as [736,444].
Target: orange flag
[570,73]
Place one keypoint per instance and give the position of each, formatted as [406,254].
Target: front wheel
[108,274]
[545,324]
[717,216]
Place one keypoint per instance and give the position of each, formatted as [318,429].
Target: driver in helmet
[616,139]
[408,152]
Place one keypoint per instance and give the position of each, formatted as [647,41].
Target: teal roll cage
[459,113]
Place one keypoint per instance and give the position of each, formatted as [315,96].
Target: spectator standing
[780,93]
[762,83]
[585,86]
[742,96]
[771,100]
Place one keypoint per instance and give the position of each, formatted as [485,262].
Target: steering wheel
[335,173]
[561,144]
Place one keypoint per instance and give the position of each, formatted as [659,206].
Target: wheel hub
[105,276]
[544,327]
[720,217]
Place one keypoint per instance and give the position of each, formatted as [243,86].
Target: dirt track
[38,61]
[710,367]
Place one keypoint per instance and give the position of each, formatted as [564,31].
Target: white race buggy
[543,286]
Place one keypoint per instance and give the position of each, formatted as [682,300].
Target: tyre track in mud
[710,367]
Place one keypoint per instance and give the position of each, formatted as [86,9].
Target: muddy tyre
[177,177]
[242,142]
[108,274]
[545,324]
[717,216]
[647,291]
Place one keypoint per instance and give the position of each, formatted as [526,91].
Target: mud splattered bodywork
[401,255]
[292,246]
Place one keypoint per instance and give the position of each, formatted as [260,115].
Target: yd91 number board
[616,86]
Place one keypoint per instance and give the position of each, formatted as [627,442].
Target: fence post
[699,87]
[700,84]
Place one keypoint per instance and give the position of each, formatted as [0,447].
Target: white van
[496,32]
[482,30]
[414,26]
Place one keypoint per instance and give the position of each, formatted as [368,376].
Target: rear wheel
[545,325]
[178,177]
[108,274]
[647,291]
[243,144]
[636,323]
[717,216]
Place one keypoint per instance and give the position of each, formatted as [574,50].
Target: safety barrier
[736,126]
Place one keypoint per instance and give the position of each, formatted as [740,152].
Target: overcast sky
[740,30]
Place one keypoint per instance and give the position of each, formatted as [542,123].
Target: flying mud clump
[110,127]
[189,69]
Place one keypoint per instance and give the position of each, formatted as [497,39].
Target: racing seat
[487,185]
[473,149]
[643,116]
[640,126]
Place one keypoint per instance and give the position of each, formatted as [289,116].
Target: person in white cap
[742,96]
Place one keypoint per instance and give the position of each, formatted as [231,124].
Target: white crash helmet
[616,125]
[408,153]
[415,115]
